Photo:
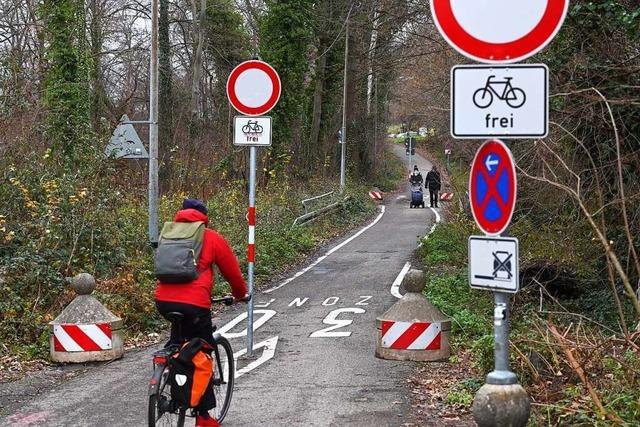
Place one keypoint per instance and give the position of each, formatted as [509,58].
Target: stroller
[417,196]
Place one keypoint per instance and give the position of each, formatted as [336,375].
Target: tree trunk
[314,140]
[199,30]
[165,92]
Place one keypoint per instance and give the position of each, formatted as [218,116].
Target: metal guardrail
[313,215]
[311,199]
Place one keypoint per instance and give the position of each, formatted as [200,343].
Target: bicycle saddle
[174,317]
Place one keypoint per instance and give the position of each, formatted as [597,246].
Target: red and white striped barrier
[251,247]
[411,336]
[445,197]
[79,338]
[375,195]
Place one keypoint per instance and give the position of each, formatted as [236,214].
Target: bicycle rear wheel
[161,412]
[223,377]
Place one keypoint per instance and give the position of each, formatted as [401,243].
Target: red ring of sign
[513,51]
[497,147]
[275,94]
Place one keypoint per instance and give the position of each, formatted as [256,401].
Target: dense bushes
[54,225]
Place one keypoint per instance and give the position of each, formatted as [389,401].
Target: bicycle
[252,127]
[162,410]
[513,96]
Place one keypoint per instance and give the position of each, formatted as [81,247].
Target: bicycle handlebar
[227,300]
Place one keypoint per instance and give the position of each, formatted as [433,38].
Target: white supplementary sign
[489,101]
[494,263]
[252,131]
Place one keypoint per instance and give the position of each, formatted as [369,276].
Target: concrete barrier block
[413,329]
[85,331]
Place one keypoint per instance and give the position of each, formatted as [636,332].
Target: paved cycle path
[316,333]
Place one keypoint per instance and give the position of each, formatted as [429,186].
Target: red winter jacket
[215,250]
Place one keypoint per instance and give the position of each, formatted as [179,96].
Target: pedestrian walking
[434,183]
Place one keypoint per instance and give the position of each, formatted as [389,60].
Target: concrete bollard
[85,331]
[413,329]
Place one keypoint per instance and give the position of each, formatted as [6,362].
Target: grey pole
[343,155]
[410,151]
[501,374]
[251,255]
[153,126]
[501,401]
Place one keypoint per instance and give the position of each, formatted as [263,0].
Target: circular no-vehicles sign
[492,187]
[253,88]
[499,31]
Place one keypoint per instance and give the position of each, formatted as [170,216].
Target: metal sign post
[253,88]
[410,152]
[487,101]
[251,250]
[494,265]
[153,127]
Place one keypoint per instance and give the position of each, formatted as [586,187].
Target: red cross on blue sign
[492,187]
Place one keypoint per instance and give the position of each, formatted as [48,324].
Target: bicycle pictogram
[252,127]
[513,96]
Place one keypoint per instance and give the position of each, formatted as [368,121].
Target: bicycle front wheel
[161,412]
[223,377]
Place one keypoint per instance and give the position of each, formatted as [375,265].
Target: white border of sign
[486,287]
[498,135]
[264,121]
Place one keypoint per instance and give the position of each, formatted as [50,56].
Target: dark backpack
[191,375]
[179,247]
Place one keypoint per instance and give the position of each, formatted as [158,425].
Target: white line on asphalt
[319,260]
[433,227]
[395,287]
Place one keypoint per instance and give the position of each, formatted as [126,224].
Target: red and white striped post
[251,249]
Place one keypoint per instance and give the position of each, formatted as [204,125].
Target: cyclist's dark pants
[196,324]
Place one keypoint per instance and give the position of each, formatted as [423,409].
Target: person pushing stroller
[416,177]
[416,181]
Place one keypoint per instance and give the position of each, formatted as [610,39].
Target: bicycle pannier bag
[179,248]
[191,373]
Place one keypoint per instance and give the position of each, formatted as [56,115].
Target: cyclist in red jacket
[193,299]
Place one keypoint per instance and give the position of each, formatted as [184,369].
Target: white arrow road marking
[319,260]
[264,316]
[395,287]
[488,163]
[267,354]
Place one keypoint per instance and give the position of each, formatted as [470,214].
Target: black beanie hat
[195,204]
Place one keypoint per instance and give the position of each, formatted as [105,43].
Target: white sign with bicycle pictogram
[510,101]
[252,131]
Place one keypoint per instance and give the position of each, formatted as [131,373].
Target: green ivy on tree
[285,33]
[66,89]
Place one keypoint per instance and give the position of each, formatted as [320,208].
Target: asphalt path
[316,341]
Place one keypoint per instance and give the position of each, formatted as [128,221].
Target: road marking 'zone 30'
[268,346]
